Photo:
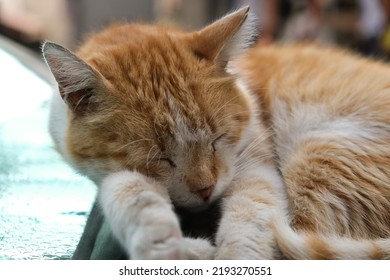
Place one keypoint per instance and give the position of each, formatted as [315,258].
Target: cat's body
[298,133]
[329,111]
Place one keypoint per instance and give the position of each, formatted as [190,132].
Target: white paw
[198,249]
[158,236]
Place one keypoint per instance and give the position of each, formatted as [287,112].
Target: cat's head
[160,101]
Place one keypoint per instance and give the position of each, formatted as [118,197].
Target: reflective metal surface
[43,203]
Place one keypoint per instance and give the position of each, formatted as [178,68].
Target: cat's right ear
[226,38]
[76,79]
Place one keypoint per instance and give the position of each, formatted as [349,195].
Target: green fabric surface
[106,247]
[97,241]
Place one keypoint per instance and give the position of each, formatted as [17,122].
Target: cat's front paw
[157,237]
[198,249]
[162,239]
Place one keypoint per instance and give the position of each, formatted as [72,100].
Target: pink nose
[205,193]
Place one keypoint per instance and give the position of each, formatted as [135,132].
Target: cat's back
[333,79]
[312,96]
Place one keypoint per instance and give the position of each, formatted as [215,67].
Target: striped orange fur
[292,140]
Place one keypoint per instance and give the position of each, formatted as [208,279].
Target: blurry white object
[372,18]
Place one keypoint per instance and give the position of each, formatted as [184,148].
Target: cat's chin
[199,207]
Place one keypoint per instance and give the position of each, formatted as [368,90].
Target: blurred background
[44,204]
[362,25]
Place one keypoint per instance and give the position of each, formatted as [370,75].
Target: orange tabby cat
[294,140]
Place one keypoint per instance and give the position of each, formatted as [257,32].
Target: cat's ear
[76,79]
[225,38]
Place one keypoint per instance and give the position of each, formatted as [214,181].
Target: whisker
[219,121]
[213,116]
[249,163]
[148,158]
[246,158]
[256,141]
[131,143]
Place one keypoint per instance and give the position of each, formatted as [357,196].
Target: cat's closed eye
[216,141]
[167,161]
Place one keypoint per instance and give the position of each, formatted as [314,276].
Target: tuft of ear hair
[226,38]
[76,79]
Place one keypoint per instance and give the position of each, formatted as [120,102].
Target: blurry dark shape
[31,21]
[342,17]
[219,8]
[93,15]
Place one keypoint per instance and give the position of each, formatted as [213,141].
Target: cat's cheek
[222,185]
[226,176]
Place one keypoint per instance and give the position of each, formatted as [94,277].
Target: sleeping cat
[293,140]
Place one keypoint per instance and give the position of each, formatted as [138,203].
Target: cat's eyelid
[216,140]
[219,137]
[171,163]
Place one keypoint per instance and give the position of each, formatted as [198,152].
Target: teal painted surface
[43,203]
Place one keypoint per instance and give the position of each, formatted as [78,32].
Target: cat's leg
[245,230]
[339,186]
[141,217]
[339,197]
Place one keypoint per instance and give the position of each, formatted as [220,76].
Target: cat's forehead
[149,54]
[189,124]
[155,65]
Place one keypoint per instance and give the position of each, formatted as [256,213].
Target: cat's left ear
[225,38]
[76,79]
